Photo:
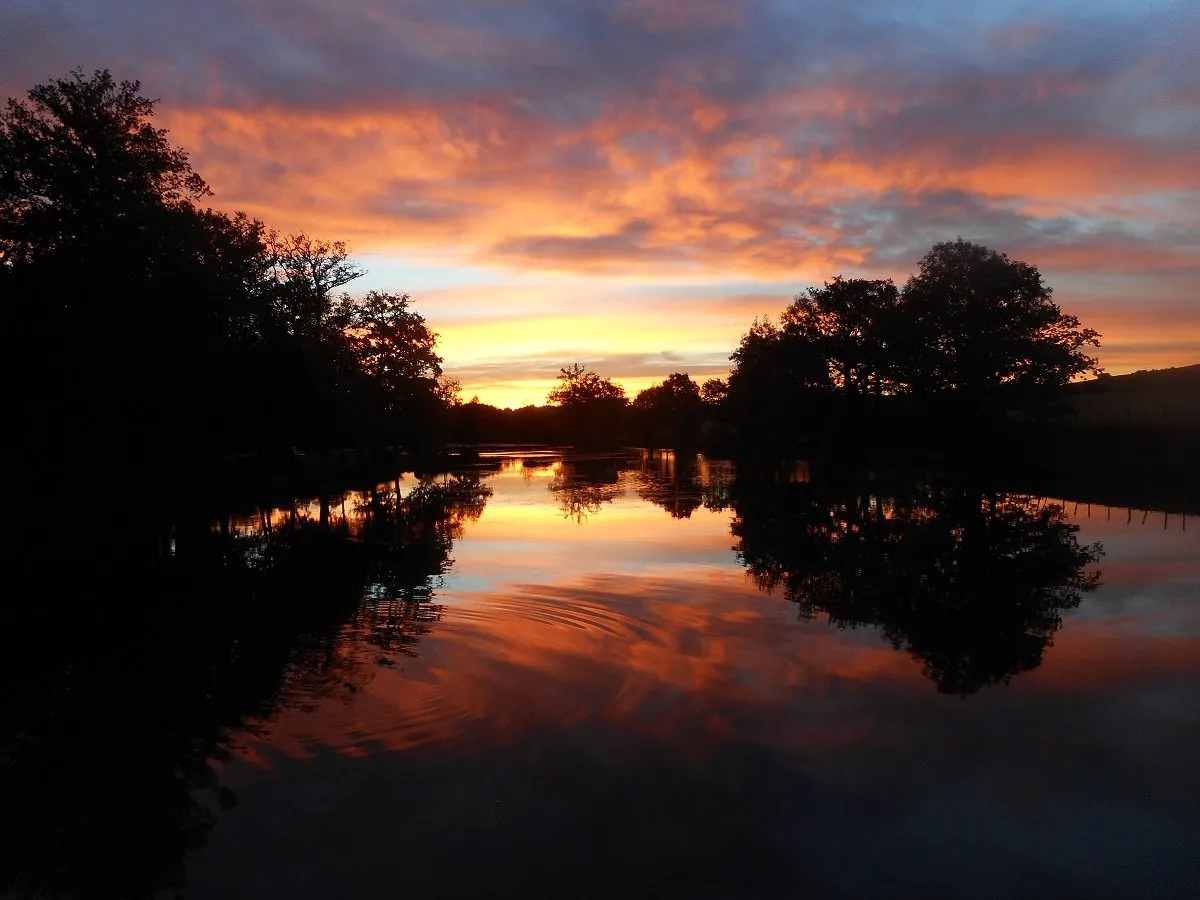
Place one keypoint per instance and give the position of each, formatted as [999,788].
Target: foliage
[591,410]
[677,392]
[394,348]
[713,392]
[304,273]
[76,159]
[173,334]
[972,332]
[778,382]
[671,412]
[975,321]
[849,321]
[579,386]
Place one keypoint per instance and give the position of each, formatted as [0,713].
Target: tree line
[970,339]
[149,328]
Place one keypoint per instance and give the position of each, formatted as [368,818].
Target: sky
[629,183]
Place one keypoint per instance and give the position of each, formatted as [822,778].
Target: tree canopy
[173,332]
[971,326]
[669,413]
[975,320]
[76,159]
[580,386]
[848,321]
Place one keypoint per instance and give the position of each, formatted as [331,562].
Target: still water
[615,676]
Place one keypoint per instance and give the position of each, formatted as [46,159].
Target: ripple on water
[487,669]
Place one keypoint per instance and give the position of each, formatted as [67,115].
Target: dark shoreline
[1109,467]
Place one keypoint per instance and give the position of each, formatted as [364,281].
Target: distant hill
[1154,398]
[1180,377]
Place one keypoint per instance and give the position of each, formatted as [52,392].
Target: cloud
[660,141]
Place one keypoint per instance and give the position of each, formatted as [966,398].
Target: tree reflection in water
[682,483]
[139,651]
[126,668]
[678,483]
[971,584]
[583,486]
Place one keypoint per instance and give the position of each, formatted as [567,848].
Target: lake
[542,675]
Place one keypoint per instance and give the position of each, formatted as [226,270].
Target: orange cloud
[856,173]
[476,186]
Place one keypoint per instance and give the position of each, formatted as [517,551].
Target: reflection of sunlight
[530,467]
[599,646]
[650,623]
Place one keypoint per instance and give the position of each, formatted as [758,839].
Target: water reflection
[683,483]
[151,650]
[510,663]
[584,485]
[971,584]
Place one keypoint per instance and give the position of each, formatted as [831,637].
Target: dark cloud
[628,245]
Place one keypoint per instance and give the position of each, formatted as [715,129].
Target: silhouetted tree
[669,414]
[170,334]
[449,391]
[103,246]
[579,386]
[82,168]
[306,271]
[713,392]
[973,335]
[850,322]
[396,350]
[972,322]
[592,406]
[779,385]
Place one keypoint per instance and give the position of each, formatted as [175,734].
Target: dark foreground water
[623,677]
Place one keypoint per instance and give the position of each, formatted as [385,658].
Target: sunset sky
[628,183]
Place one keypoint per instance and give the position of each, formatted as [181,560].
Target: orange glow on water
[548,622]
